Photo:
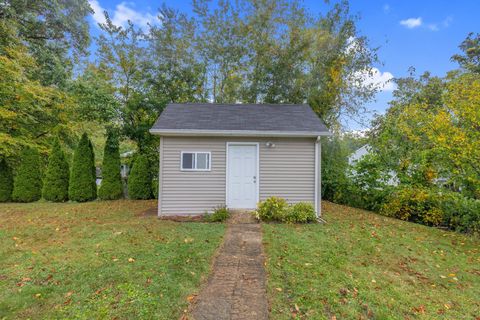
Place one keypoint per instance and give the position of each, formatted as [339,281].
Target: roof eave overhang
[238,133]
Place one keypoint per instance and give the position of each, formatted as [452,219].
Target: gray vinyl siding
[287,170]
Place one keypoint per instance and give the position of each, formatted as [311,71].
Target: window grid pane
[188,161]
[202,161]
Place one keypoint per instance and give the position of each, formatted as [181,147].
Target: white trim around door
[256,176]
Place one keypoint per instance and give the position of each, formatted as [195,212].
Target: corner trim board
[160,176]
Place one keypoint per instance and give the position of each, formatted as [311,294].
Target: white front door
[242,176]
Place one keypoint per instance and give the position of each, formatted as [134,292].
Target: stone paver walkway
[236,287]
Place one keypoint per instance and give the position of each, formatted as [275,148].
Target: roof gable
[242,119]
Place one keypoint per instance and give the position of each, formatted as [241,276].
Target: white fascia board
[238,133]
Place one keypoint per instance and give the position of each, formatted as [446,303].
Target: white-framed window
[195,161]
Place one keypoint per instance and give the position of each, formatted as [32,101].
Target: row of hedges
[429,206]
[78,183]
[434,208]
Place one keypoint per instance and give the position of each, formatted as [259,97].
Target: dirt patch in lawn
[153,212]
[182,218]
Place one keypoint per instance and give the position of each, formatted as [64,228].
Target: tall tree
[176,74]
[470,59]
[111,187]
[27,185]
[55,184]
[259,51]
[82,185]
[30,112]
[222,47]
[94,95]
[6,181]
[55,33]
[122,56]
[431,130]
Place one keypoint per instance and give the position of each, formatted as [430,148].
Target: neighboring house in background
[237,155]
[124,167]
[362,152]
[98,176]
[358,154]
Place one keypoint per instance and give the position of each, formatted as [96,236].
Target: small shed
[237,155]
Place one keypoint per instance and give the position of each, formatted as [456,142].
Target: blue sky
[422,34]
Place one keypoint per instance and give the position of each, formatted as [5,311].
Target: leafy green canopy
[6,181]
[140,179]
[29,111]
[111,187]
[52,31]
[27,186]
[82,177]
[55,184]
[236,51]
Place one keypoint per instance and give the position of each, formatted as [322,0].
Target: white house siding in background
[286,169]
[362,152]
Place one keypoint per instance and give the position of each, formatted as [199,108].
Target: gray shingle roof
[230,118]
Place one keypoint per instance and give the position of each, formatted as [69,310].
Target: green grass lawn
[99,260]
[365,266]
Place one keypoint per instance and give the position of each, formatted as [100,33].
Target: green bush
[27,185]
[111,187]
[6,181]
[460,213]
[55,184]
[140,180]
[82,177]
[301,212]
[272,209]
[416,204]
[220,214]
[277,209]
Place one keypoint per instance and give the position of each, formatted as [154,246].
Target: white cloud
[98,15]
[123,13]
[383,81]
[386,8]
[411,22]
[446,22]
[433,27]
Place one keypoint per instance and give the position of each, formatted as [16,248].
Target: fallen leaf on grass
[279,289]
[191,297]
[344,291]
[419,309]
[131,260]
